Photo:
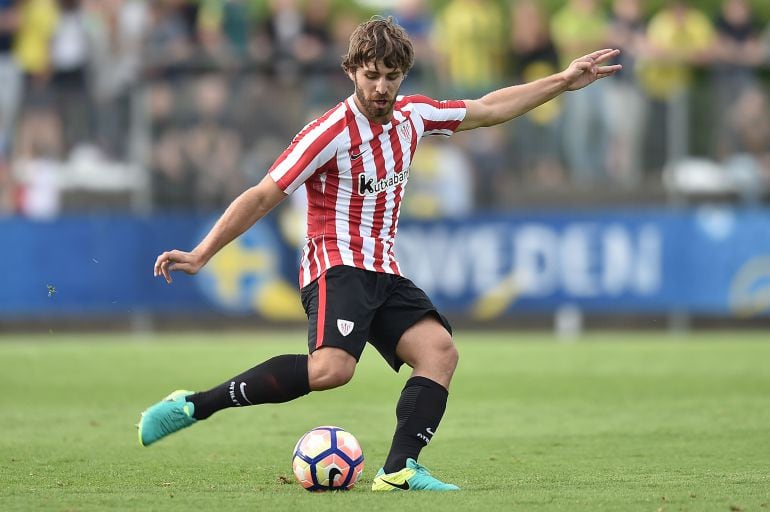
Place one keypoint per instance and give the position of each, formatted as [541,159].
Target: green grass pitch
[620,422]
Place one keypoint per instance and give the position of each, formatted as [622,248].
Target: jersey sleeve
[309,152]
[439,117]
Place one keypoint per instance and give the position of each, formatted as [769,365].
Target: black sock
[418,412]
[277,380]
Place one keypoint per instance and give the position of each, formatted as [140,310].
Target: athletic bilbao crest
[344,326]
[405,131]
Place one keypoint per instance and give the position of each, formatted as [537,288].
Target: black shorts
[347,307]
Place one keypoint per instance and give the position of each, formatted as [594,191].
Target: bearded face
[376,88]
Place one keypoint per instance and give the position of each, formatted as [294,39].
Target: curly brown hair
[379,39]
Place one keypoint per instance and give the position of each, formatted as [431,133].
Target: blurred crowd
[181,104]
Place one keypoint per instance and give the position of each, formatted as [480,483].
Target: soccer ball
[327,458]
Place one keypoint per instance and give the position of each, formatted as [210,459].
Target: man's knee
[438,361]
[429,350]
[439,347]
[428,343]
[452,355]
[446,353]
[330,368]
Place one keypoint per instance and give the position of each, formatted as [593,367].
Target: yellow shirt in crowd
[576,33]
[676,41]
[37,25]
[470,38]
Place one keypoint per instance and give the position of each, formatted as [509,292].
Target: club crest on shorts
[344,326]
[405,131]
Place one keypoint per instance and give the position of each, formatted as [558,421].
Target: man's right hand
[173,261]
[243,212]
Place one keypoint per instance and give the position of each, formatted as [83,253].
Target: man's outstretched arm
[242,213]
[505,104]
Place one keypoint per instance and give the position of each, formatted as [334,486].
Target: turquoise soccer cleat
[412,478]
[166,417]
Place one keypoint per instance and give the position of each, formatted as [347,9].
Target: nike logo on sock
[243,392]
[404,486]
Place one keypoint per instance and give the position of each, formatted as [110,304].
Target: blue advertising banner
[708,261]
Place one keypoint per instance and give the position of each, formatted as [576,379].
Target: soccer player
[354,162]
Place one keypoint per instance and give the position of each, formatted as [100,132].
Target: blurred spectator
[7,188]
[37,22]
[765,50]
[172,183]
[222,30]
[197,156]
[535,137]
[735,72]
[749,164]
[119,27]
[10,75]
[493,177]
[38,142]
[315,38]
[297,44]
[168,44]
[627,104]
[578,28]
[37,163]
[417,19]
[282,32]
[342,25]
[469,42]
[236,21]
[39,134]
[38,192]
[680,37]
[440,181]
[213,146]
[313,51]
[72,51]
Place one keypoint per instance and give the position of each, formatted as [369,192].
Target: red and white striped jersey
[355,173]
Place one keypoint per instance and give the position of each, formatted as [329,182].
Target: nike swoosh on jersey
[356,156]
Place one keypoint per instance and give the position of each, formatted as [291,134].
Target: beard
[371,109]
